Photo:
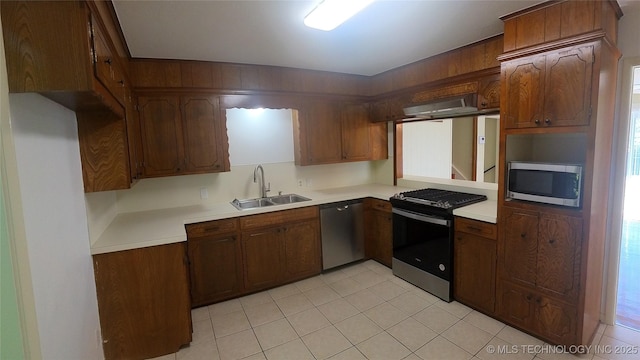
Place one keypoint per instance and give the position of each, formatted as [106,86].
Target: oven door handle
[422,217]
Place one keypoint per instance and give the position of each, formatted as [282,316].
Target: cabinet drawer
[475,227]
[212,228]
[278,217]
[377,204]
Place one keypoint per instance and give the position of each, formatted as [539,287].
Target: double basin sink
[268,201]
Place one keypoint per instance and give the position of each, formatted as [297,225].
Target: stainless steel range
[423,237]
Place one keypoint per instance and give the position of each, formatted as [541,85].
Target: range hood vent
[465,105]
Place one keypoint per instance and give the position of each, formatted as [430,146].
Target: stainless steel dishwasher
[342,233]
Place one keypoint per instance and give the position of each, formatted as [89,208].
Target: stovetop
[436,198]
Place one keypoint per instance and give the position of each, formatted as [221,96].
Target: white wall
[55,222]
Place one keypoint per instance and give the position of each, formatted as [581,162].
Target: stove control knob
[441,267]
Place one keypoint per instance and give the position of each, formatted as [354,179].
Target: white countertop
[165,226]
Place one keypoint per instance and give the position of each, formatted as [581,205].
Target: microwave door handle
[420,217]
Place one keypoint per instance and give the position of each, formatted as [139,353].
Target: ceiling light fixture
[329,14]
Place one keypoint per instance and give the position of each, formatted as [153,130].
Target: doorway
[628,301]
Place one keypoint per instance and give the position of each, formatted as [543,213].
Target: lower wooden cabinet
[551,319]
[280,247]
[215,261]
[233,257]
[378,231]
[143,301]
[474,272]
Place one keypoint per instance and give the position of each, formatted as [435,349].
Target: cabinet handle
[547,121]
[537,121]
[108,61]
[528,297]
[121,82]
[484,104]
[474,228]
[523,235]
[538,301]
[551,241]
[212,228]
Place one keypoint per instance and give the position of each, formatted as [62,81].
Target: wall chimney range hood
[463,105]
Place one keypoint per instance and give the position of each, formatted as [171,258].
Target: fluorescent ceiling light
[329,14]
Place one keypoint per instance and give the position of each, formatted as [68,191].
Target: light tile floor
[364,312]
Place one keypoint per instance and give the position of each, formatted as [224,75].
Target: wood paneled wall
[238,78]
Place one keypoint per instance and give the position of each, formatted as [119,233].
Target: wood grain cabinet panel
[302,251]
[543,252]
[263,256]
[327,132]
[202,132]
[215,261]
[475,258]
[182,135]
[143,301]
[551,89]
[161,135]
[378,231]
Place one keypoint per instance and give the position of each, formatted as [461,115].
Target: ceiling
[385,35]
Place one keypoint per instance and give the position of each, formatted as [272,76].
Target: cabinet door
[302,250]
[379,236]
[161,135]
[475,271]
[262,258]
[202,126]
[559,249]
[321,129]
[568,87]
[356,139]
[143,300]
[520,246]
[215,264]
[515,305]
[133,137]
[523,101]
[555,321]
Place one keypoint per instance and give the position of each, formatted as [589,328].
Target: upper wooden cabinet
[59,50]
[327,131]
[554,21]
[182,135]
[551,89]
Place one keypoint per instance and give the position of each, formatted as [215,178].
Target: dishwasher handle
[342,208]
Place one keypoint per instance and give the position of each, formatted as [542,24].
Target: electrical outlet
[309,182]
[204,193]
[300,182]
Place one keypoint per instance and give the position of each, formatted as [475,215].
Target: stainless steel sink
[288,199]
[268,201]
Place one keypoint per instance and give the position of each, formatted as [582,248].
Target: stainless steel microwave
[549,183]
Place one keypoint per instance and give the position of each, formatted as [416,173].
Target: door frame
[616,189]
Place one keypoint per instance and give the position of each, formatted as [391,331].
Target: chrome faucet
[264,189]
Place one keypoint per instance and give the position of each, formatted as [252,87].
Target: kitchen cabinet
[280,247]
[182,135]
[542,251]
[215,261]
[378,230]
[475,257]
[542,315]
[143,301]
[133,137]
[61,51]
[327,131]
[549,89]
[388,109]
[550,258]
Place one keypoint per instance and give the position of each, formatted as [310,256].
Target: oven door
[423,241]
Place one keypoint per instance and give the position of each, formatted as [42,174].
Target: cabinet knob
[484,104]
[537,121]
[108,61]
[551,241]
[528,297]
[523,235]
[547,121]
